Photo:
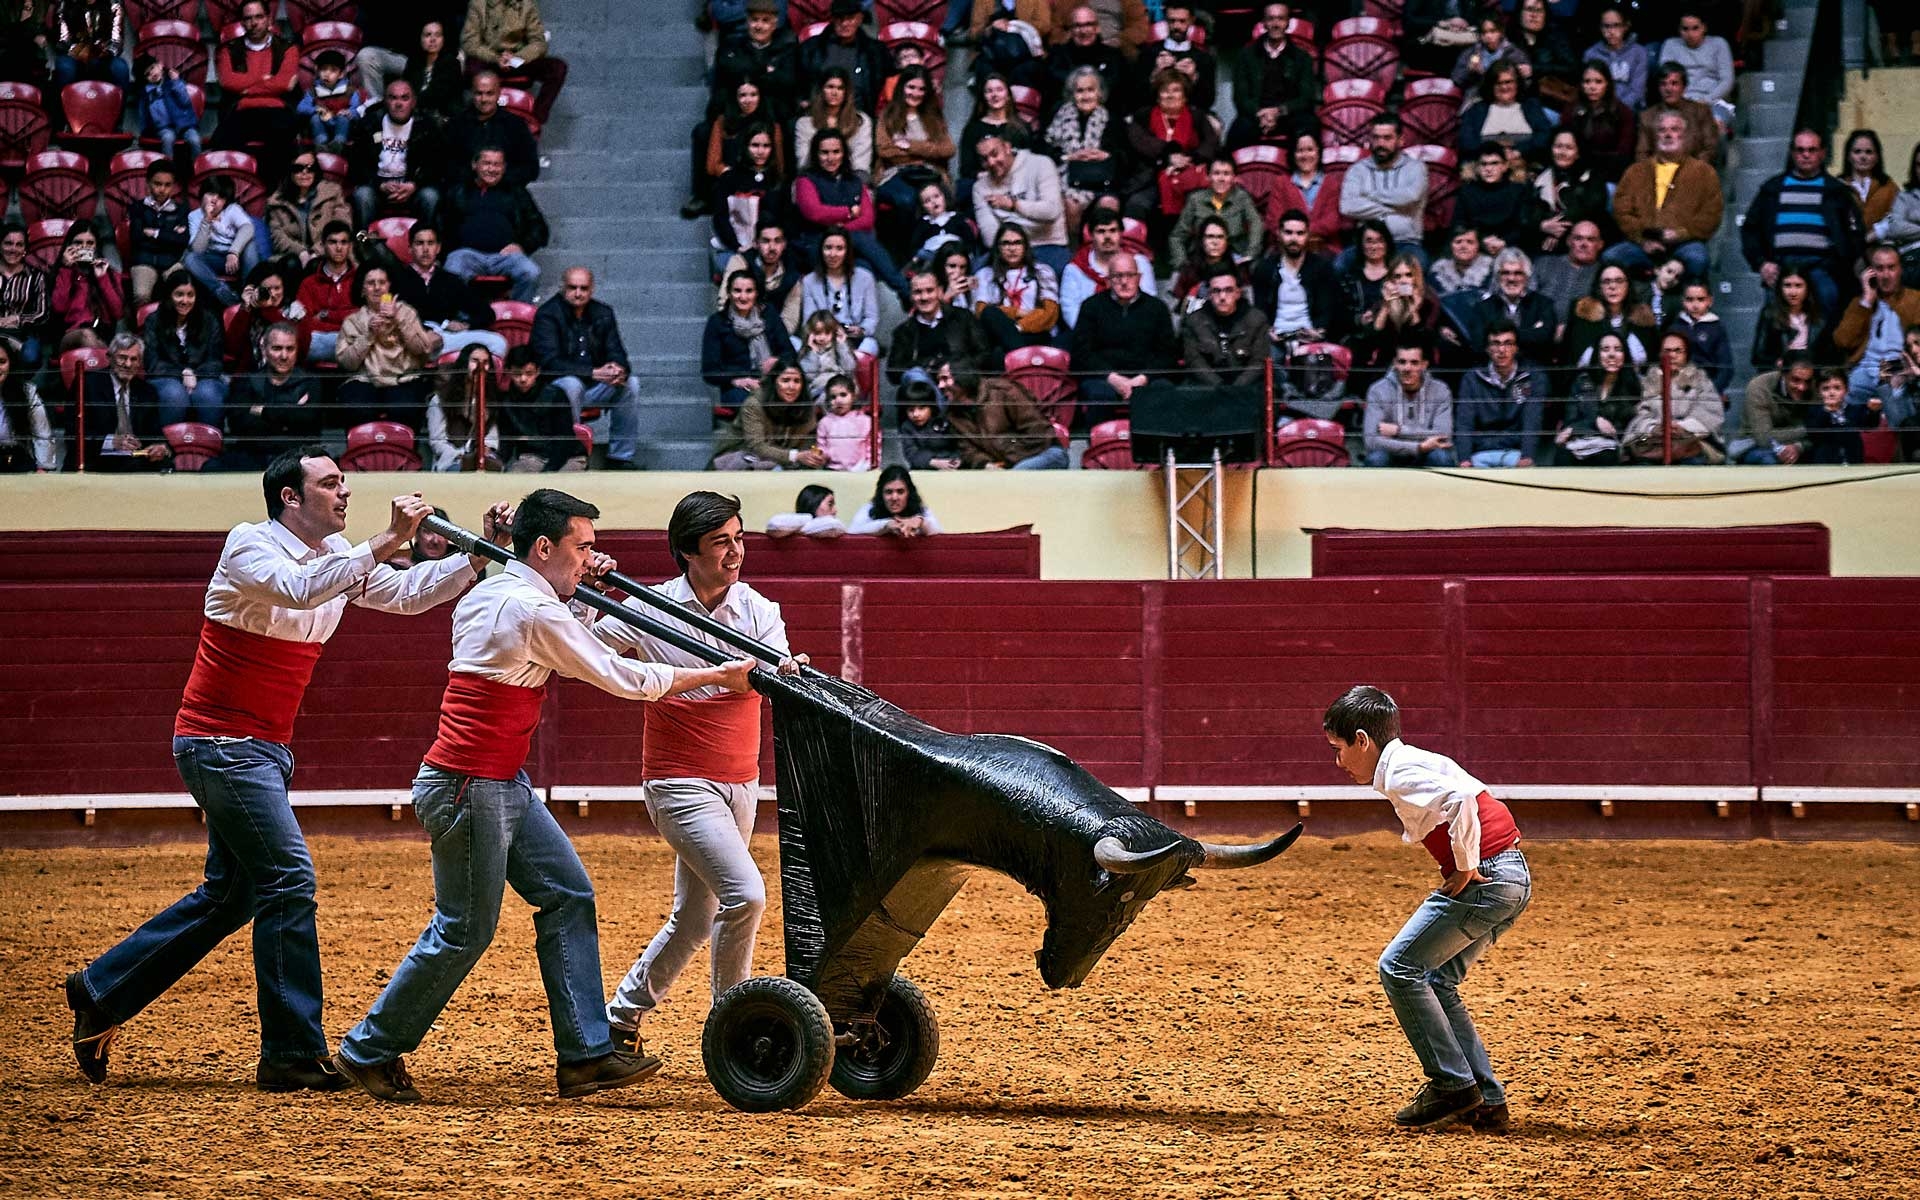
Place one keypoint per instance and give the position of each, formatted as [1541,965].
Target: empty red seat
[1363,57]
[143,312]
[74,361]
[1369,26]
[332,166]
[890,12]
[1430,112]
[805,13]
[1047,372]
[142,12]
[93,110]
[240,167]
[1110,447]
[513,320]
[23,125]
[1026,102]
[1443,183]
[586,438]
[1310,442]
[174,43]
[519,102]
[222,13]
[194,444]
[866,375]
[380,446]
[57,185]
[302,13]
[394,231]
[1386,10]
[43,241]
[1345,122]
[1354,89]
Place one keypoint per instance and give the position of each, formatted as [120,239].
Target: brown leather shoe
[93,1031]
[617,1070]
[1489,1118]
[301,1075]
[387,1081]
[1432,1106]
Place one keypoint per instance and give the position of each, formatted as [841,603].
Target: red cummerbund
[1497,833]
[245,685]
[486,728]
[716,739]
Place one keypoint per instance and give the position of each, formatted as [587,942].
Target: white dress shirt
[1429,790]
[741,608]
[513,629]
[271,583]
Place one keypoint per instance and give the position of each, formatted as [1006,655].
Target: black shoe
[621,464]
[300,1075]
[1489,1118]
[694,209]
[93,1032]
[1431,1106]
[627,1041]
[387,1081]
[609,1071]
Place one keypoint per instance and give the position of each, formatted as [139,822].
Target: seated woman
[89,296]
[833,107]
[1407,310]
[1502,115]
[1569,191]
[1493,49]
[1606,128]
[454,408]
[303,206]
[749,192]
[1169,140]
[777,426]
[1016,298]
[1698,412]
[26,436]
[1465,269]
[1210,251]
[1492,201]
[23,295]
[816,514]
[954,268]
[1551,66]
[727,141]
[896,509]
[1901,225]
[839,286]
[829,195]
[911,145]
[183,354]
[266,299]
[740,341]
[1610,308]
[1604,397]
[1365,281]
[1088,142]
[439,85]
[389,353]
[1791,321]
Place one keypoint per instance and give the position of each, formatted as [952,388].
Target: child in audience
[816,514]
[158,230]
[926,440]
[328,104]
[1833,429]
[166,110]
[939,226]
[1712,352]
[827,354]
[846,431]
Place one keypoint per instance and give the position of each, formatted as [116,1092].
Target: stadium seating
[513,320]
[57,184]
[24,131]
[1362,57]
[1310,442]
[194,444]
[1430,112]
[174,43]
[380,446]
[1109,447]
[394,231]
[93,109]
[43,241]
[1046,371]
[240,167]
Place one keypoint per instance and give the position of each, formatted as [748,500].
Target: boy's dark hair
[1363,709]
[811,497]
[521,356]
[697,515]
[329,58]
[916,393]
[420,227]
[286,471]
[1497,326]
[1101,215]
[1833,375]
[161,166]
[333,227]
[219,185]
[142,63]
[546,513]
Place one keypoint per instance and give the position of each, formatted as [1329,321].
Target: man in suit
[123,414]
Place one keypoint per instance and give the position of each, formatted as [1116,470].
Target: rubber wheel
[895,1054]
[768,1045]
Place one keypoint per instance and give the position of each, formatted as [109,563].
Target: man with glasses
[1670,205]
[1709,63]
[1225,341]
[1123,342]
[396,157]
[1498,417]
[258,72]
[1804,217]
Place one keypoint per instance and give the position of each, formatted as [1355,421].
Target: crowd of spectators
[1476,234]
[352,256]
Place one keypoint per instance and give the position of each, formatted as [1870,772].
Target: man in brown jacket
[1667,205]
[1703,131]
[998,425]
[1873,328]
[508,38]
[1777,404]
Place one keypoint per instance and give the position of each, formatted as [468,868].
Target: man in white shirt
[274,600]
[1019,187]
[511,635]
[1086,276]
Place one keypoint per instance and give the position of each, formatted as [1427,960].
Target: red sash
[1497,833]
[716,739]
[486,728]
[245,685]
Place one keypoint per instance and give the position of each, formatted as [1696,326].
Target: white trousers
[717,892]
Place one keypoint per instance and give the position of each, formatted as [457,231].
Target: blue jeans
[488,833]
[67,69]
[1053,458]
[1494,458]
[322,346]
[1432,458]
[518,268]
[204,404]
[331,129]
[1758,456]
[622,405]
[1422,967]
[258,870]
[1629,257]
[867,249]
[188,137]
[206,266]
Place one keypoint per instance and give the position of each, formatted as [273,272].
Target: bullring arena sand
[1673,1019]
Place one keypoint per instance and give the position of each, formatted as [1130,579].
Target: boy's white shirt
[1428,790]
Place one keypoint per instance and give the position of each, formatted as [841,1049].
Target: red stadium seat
[1026,102]
[343,36]
[43,241]
[1135,239]
[586,439]
[93,110]
[243,169]
[222,13]
[1430,112]
[1443,183]
[380,446]
[23,125]
[1386,10]
[933,53]
[866,375]
[1365,27]
[332,166]
[196,96]
[1311,442]
[805,13]
[126,181]
[302,13]
[174,43]
[1345,122]
[57,185]
[519,102]
[1354,89]
[513,320]
[892,12]
[90,358]
[145,310]
[1046,371]
[1881,444]
[194,444]
[813,30]
[1363,58]
[1110,447]
[143,12]
[394,232]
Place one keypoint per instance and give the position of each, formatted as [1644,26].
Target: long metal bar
[1219,516]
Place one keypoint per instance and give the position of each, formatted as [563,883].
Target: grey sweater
[1395,194]
[1421,416]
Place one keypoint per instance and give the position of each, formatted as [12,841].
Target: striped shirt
[1799,226]
[24,295]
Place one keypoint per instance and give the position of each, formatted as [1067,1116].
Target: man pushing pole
[275,598]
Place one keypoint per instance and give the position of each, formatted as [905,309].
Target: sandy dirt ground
[1673,1019]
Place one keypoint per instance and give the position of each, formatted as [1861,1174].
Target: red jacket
[259,78]
[328,304]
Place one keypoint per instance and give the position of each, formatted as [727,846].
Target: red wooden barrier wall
[1674,681]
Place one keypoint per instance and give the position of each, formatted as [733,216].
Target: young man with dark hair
[535,420]
[1298,287]
[1225,340]
[159,229]
[511,634]
[1498,415]
[998,426]
[700,765]
[1086,276]
[275,598]
[1485,887]
[329,293]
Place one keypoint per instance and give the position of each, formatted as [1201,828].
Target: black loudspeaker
[1194,420]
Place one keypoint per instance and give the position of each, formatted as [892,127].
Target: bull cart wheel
[893,1053]
[768,1045]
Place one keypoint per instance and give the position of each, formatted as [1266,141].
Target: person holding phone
[88,294]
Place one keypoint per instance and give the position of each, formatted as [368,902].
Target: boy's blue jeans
[1421,971]
[331,129]
[258,870]
[488,833]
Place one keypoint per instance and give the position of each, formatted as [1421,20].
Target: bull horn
[1250,855]
[1112,855]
